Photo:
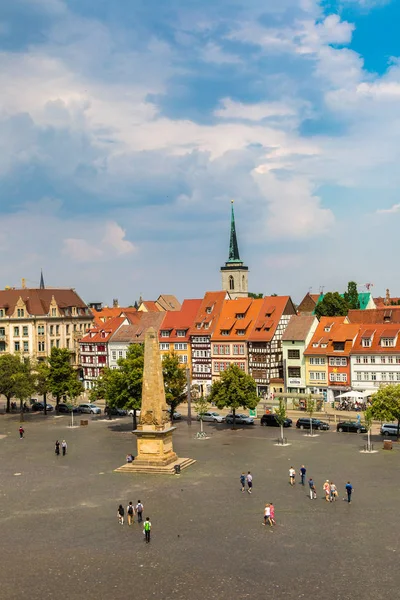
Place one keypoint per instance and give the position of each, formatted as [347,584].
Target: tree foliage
[332,305]
[23,382]
[175,381]
[310,408]
[351,296]
[201,405]
[61,374]
[386,404]
[234,389]
[10,365]
[255,296]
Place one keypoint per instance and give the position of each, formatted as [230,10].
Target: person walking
[120,514]
[21,432]
[147,530]
[57,448]
[271,514]
[303,472]
[266,514]
[333,492]
[243,482]
[313,490]
[130,511]
[349,491]
[327,490]
[249,482]
[64,447]
[139,511]
[292,476]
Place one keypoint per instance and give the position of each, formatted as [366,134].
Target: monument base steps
[157,469]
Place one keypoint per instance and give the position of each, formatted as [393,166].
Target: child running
[267,514]
[271,514]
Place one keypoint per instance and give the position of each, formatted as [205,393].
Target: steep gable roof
[168,302]
[322,337]
[268,317]
[388,314]
[298,328]
[375,335]
[102,333]
[208,313]
[38,301]
[181,320]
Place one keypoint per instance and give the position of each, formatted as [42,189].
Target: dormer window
[165,333]
[327,328]
[20,312]
[240,315]
[315,345]
[1,312]
[209,310]
[324,345]
[180,333]
[366,342]
[53,312]
[240,331]
[224,331]
[198,325]
[387,342]
[338,346]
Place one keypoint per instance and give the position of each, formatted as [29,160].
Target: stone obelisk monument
[155,453]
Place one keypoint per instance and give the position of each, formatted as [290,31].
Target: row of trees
[21,377]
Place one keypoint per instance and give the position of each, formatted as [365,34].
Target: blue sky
[127,127]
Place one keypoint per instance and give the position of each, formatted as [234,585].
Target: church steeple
[233,245]
[234,273]
[41,286]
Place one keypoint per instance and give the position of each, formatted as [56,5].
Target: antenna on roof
[321,289]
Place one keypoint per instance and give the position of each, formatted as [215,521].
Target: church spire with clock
[234,273]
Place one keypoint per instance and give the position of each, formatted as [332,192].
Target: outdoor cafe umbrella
[353,394]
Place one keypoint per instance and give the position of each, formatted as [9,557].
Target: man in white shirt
[249,482]
[267,513]
[292,476]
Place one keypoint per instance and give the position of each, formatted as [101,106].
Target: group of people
[330,490]
[131,511]
[246,479]
[63,447]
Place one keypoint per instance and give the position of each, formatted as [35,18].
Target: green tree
[61,373]
[332,305]
[24,383]
[41,372]
[351,296]
[280,414]
[234,389]
[10,365]
[310,408]
[386,405]
[175,381]
[255,296]
[201,405]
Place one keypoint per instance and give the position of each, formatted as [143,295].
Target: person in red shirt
[21,432]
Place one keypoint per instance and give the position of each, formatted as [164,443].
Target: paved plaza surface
[61,539]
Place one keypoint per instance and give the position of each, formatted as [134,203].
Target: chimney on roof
[387,299]
[115,303]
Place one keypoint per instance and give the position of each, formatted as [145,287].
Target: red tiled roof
[212,301]
[269,315]
[320,334]
[103,332]
[381,330]
[388,314]
[151,305]
[228,321]
[37,301]
[181,320]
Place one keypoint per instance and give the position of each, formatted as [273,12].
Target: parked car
[176,416]
[389,429]
[115,412]
[38,406]
[270,419]
[212,416]
[304,423]
[90,409]
[240,419]
[64,408]
[351,427]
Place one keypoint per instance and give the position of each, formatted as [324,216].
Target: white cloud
[252,112]
[213,53]
[115,239]
[393,209]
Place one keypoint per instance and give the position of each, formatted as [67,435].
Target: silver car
[389,429]
[212,416]
[240,419]
[89,408]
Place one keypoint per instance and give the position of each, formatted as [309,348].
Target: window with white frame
[390,360]
[183,358]
[20,312]
[316,360]
[358,360]
[165,333]
[387,342]
[120,353]
[164,346]
[397,360]
[180,346]
[240,331]
[372,360]
[358,376]
[366,342]
[365,360]
[391,376]
[383,360]
[398,376]
[317,376]
[180,333]
[383,376]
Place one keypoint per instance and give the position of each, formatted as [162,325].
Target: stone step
[156,469]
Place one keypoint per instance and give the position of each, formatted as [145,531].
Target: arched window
[243,282]
[231,283]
